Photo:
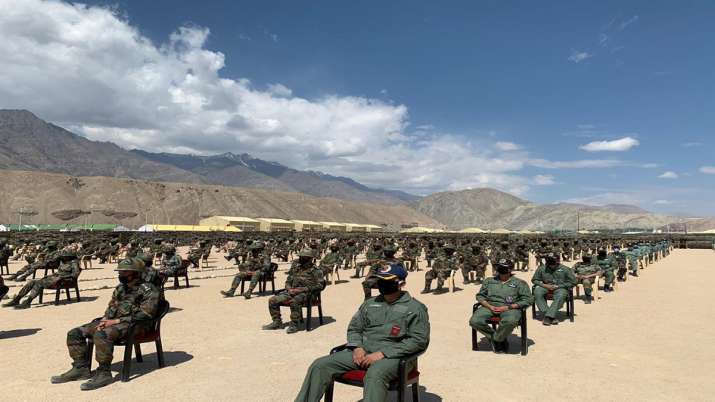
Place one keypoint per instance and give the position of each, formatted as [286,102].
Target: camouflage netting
[69,214]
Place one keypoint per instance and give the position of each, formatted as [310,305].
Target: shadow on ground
[150,362]
[18,333]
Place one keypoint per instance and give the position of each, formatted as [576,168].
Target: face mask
[387,287]
[551,261]
[503,270]
[124,279]
[304,260]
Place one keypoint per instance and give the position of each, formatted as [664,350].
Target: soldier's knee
[74,335]
[475,322]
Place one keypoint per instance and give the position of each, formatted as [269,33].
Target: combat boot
[12,303]
[23,305]
[547,321]
[426,290]
[102,378]
[587,299]
[247,296]
[292,328]
[73,374]
[276,324]
[228,293]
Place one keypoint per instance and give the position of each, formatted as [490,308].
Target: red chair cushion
[359,375]
[495,320]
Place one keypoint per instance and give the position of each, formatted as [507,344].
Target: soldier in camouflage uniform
[133,301]
[619,259]
[133,249]
[607,267]
[521,255]
[502,296]
[171,264]
[371,280]
[50,259]
[441,269]
[195,254]
[371,257]
[304,278]
[349,252]
[331,261]
[411,254]
[68,268]
[5,254]
[254,267]
[586,272]
[503,252]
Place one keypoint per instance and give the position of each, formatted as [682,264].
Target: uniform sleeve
[525,298]
[111,307]
[318,281]
[146,310]
[356,327]
[537,279]
[417,339]
[483,293]
[570,279]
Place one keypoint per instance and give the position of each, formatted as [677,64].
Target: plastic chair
[494,321]
[313,301]
[550,296]
[134,339]
[66,284]
[404,379]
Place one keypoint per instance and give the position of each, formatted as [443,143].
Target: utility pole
[578,221]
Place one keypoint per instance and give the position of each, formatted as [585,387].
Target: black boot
[587,299]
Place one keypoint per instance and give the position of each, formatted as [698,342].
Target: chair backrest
[161,311]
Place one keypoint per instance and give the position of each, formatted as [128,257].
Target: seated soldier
[502,296]
[331,261]
[171,264]
[552,277]
[253,268]
[304,278]
[385,328]
[133,301]
[441,270]
[68,269]
[586,272]
[3,289]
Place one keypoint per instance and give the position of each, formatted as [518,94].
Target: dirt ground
[651,340]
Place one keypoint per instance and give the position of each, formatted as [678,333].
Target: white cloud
[506,146]
[662,202]
[629,21]
[88,69]
[577,164]
[544,180]
[707,169]
[578,57]
[623,144]
[668,175]
[693,144]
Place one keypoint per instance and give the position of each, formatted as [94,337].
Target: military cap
[257,245]
[505,263]
[305,253]
[392,271]
[146,257]
[68,254]
[51,244]
[131,264]
[390,247]
[169,249]
[448,246]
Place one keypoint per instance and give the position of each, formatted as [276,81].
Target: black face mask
[124,279]
[304,260]
[387,287]
[551,262]
[502,270]
[389,254]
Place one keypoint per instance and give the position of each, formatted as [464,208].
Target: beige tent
[243,223]
[420,229]
[275,225]
[501,231]
[307,226]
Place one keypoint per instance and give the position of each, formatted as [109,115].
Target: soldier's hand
[358,356]
[372,358]
[500,309]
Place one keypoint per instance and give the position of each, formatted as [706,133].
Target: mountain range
[248,186]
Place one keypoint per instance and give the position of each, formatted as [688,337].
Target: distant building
[334,227]
[239,222]
[275,225]
[307,226]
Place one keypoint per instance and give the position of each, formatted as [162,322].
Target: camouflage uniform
[131,303]
[171,264]
[441,269]
[254,268]
[51,259]
[329,261]
[68,269]
[306,277]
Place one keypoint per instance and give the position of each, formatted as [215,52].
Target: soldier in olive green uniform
[372,256]
[171,264]
[68,269]
[556,278]
[502,296]
[133,301]
[441,269]
[586,272]
[304,278]
[386,328]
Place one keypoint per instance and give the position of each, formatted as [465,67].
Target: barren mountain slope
[62,199]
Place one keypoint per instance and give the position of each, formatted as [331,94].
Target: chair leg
[416,391]
[67,293]
[273,285]
[76,289]
[401,391]
[187,279]
[57,296]
[329,392]
[42,293]
[320,313]
[243,283]
[176,281]
[138,352]
[474,340]
[127,366]
[524,338]
[308,321]
[89,355]
[159,352]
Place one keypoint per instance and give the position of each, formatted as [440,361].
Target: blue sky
[491,93]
